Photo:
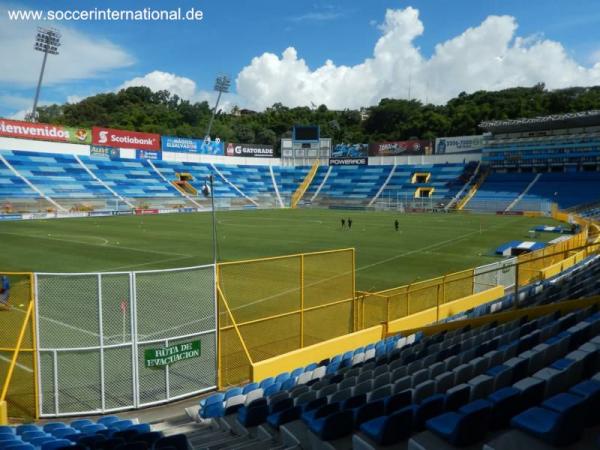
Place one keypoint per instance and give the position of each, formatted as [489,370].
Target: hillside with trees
[138,108]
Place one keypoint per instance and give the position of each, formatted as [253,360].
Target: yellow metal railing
[271,306]
[467,198]
[297,196]
[18,392]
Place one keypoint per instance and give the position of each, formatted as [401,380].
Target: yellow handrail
[15,357]
[297,196]
[467,198]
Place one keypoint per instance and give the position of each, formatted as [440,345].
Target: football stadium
[325,285]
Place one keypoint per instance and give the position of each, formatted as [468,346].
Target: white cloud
[81,56]
[184,87]
[489,56]
[19,115]
[157,80]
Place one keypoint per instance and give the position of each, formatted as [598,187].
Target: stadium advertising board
[161,357]
[125,139]
[44,132]
[249,150]
[400,148]
[348,161]
[459,144]
[98,150]
[187,145]
[7,217]
[350,151]
[145,212]
[148,154]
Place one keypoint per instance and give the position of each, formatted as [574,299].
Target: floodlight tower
[222,85]
[47,41]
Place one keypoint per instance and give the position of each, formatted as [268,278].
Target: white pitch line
[160,261]
[66,325]
[368,266]
[120,247]
[19,365]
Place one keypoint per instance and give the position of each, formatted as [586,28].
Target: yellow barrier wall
[506,316]
[446,310]
[316,352]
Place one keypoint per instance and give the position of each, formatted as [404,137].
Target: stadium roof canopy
[554,122]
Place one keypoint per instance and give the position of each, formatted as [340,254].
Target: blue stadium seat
[559,421]
[465,427]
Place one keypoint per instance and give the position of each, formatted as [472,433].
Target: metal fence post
[302,301]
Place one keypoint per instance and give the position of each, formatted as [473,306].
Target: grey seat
[479,365]
[368,366]
[278,396]
[382,380]
[402,384]
[443,382]
[419,376]
[504,377]
[414,366]
[436,368]
[550,330]
[451,362]
[391,367]
[462,373]
[381,392]
[354,372]
[481,386]
[429,360]
[494,358]
[363,388]
[327,390]
[467,355]
[364,376]
[319,385]
[298,390]
[399,373]
[305,398]
[423,390]
[556,380]
[341,395]
[347,382]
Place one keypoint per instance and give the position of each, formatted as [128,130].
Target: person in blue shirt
[4,291]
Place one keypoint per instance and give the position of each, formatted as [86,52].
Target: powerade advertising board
[348,161]
[44,132]
[188,145]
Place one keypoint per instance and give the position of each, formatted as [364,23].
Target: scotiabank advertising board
[125,139]
[44,132]
[400,148]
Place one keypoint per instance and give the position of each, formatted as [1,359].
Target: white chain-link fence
[94,329]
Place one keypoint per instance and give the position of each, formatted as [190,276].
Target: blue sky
[106,55]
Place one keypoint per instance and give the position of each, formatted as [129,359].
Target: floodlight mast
[222,85]
[47,41]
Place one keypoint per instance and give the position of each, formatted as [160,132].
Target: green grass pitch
[427,245]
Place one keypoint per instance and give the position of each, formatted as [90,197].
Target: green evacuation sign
[160,357]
